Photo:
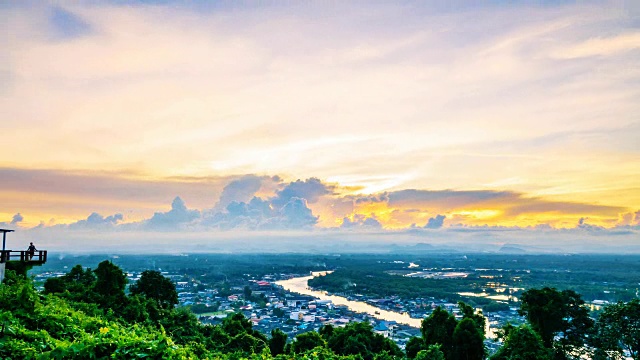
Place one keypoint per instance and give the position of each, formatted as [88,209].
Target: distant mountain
[512,249]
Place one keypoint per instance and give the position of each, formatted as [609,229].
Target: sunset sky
[349,115]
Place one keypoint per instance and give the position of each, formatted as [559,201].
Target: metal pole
[4,240]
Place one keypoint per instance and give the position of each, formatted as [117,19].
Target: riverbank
[299,285]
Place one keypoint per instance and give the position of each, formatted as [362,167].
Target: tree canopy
[87,314]
[157,287]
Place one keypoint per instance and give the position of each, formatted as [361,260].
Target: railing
[24,256]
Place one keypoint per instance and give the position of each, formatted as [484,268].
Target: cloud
[361,221]
[601,46]
[449,199]
[374,198]
[295,215]
[582,225]
[66,25]
[537,206]
[138,62]
[174,219]
[71,194]
[241,215]
[310,190]
[97,221]
[435,222]
[17,218]
[239,190]
[510,203]
[259,214]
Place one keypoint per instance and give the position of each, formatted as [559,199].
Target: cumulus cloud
[260,214]
[435,222]
[361,221]
[287,209]
[17,218]
[174,218]
[241,215]
[97,221]
[310,190]
[296,215]
[582,224]
[240,190]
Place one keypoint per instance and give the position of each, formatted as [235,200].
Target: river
[299,285]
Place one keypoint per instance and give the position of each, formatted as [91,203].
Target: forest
[94,314]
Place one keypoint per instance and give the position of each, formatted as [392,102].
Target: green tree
[522,343]
[431,353]
[618,330]
[468,341]
[109,285]
[247,292]
[438,328]
[307,341]
[468,312]
[75,284]
[563,314]
[414,345]
[326,331]
[236,324]
[182,325]
[358,338]
[246,343]
[156,287]
[277,342]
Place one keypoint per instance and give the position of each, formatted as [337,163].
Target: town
[269,306]
[214,286]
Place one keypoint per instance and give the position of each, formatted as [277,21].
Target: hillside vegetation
[86,314]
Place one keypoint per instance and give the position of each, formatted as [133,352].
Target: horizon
[344,126]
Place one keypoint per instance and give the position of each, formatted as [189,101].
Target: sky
[389,121]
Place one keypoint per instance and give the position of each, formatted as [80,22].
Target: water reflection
[299,285]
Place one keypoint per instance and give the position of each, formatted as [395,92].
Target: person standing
[32,249]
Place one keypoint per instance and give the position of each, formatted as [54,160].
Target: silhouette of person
[32,249]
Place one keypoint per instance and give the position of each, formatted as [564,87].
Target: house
[382,329]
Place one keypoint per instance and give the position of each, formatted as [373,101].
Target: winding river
[299,285]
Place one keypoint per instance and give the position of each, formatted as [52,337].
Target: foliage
[522,343]
[618,330]
[157,287]
[358,338]
[431,353]
[469,312]
[277,342]
[438,328]
[307,341]
[109,285]
[415,345]
[560,314]
[468,341]
[86,314]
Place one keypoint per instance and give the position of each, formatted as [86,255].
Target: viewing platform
[39,257]
[19,261]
